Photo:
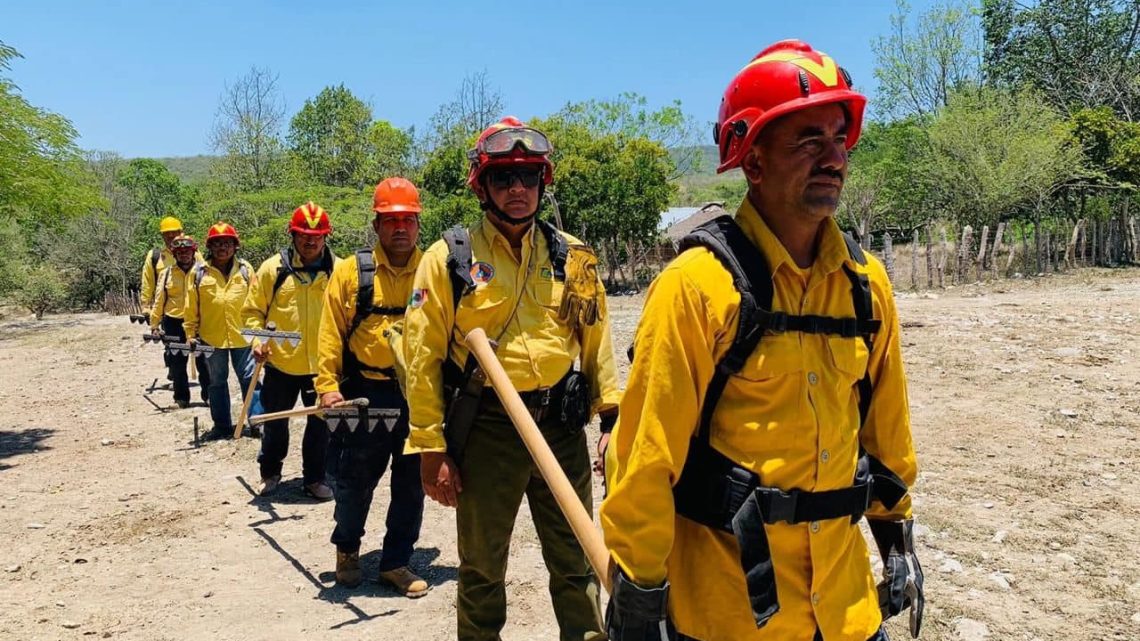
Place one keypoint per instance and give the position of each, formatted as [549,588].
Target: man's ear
[751,166]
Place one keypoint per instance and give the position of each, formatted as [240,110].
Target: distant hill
[190,169]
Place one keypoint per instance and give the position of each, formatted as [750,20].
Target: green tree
[42,176]
[330,138]
[389,150]
[920,64]
[44,290]
[154,188]
[1078,53]
[247,132]
[994,153]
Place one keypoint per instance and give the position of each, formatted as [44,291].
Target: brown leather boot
[348,571]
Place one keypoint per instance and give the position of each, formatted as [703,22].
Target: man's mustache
[831,173]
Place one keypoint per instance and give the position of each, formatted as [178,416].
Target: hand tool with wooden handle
[270,327]
[588,536]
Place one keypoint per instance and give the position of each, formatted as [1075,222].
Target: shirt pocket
[778,355]
[849,357]
[549,293]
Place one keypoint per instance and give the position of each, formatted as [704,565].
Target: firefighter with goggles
[168,314]
[536,291]
[766,409]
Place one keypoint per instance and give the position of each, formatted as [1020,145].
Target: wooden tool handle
[305,411]
[580,521]
[248,399]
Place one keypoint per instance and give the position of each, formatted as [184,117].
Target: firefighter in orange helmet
[367,295]
[766,412]
[289,290]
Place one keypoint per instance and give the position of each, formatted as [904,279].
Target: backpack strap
[459,258]
[155,254]
[865,319]
[245,269]
[366,276]
[284,270]
[558,246]
[750,276]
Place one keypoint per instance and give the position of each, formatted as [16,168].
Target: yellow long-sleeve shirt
[214,302]
[790,415]
[537,348]
[150,274]
[296,307]
[170,293]
[392,287]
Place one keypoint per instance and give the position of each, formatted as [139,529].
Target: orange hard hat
[221,230]
[396,195]
[787,76]
[310,219]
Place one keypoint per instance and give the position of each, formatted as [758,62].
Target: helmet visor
[504,141]
[182,243]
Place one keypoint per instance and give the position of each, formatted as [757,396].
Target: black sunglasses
[505,178]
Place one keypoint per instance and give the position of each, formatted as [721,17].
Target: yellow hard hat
[170,223]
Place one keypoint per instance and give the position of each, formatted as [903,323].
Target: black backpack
[365,293]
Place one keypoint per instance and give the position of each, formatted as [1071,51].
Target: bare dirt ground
[1026,409]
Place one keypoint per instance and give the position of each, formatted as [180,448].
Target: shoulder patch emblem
[419,297]
[546,274]
[482,272]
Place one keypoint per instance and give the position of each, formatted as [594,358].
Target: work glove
[638,614]
[901,587]
[579,304]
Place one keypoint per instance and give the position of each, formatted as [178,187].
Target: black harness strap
[365,297]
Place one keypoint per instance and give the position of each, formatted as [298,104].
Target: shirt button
[815,598]
[814,527]
[825,456]
[812,378]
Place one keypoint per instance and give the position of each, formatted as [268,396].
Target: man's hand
[261,352]
[440,477]
[901,587]
[635,613]
[155,331]
[192,342]
[600,463]
[330,399]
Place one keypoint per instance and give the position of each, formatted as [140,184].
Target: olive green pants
[497,471]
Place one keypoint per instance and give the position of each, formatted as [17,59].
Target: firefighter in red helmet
[765,413]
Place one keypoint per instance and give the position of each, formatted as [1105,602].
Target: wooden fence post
[964,244]
[1132,234]
[980,263]
[1070,248]
[889,256]
[914,261]
[995,249]
[942,259]
[929,257]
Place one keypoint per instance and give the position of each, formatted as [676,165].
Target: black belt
[540,403]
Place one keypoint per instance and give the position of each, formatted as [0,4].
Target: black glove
[607,421]
[901,587]
[638,614]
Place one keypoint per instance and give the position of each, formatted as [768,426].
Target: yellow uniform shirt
[392,287]
[296,307]
[214,302]
[170,293]
[150,274]
[537,349]
[790,415]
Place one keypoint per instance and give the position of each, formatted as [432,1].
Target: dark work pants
[279,392]
[357,461]
[176,363]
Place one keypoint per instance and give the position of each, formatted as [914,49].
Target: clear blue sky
[143,78]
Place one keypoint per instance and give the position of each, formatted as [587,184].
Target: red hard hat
[396,195]
[310,219]
[787,76]
[221,230]
[510,142]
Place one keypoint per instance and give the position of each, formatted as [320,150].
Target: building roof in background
[696,216]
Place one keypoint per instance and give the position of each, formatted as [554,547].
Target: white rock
[70,625]
[1067,352]
[971,630]
[106,441]
[1053,545]
[999,579]
[951,566]
[1068,413]
[999,536]
[988,505]
[36,526]
[1066,559]
[12,568]
[1136,618]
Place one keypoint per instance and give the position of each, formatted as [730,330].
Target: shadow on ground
[17,442]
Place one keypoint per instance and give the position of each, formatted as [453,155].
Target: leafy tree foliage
[247,132]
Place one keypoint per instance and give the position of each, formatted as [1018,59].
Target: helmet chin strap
[489,205]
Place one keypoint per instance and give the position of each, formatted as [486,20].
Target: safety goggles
[504,178]
[182,243]
[504,141]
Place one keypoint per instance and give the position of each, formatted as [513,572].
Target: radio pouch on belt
[576,402]
[463,403]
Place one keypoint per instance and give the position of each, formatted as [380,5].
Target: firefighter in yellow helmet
[289,290]
[536,290]
[766,410]
[168,314]
[158,259]
[367,295]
